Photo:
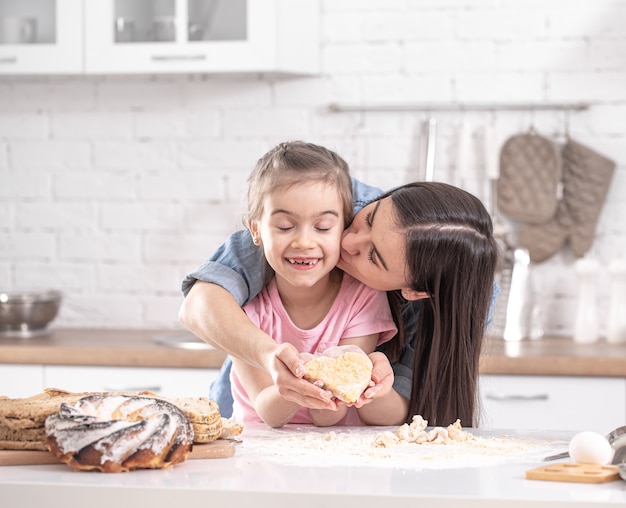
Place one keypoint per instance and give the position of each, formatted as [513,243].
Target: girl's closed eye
[284,225]
[325,227]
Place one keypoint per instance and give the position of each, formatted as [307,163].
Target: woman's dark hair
[451,255]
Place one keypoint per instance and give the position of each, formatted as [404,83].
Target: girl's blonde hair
[295,162]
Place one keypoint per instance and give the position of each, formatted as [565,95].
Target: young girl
[299,203]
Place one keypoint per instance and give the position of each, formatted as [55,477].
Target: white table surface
[259,479]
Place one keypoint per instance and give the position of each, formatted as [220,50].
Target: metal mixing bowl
[27,313]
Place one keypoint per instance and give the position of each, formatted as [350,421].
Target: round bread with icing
[118,433]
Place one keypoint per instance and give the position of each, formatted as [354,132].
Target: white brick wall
[112,187]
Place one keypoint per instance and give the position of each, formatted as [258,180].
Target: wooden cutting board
[220,449]
[569,472]
[26,458]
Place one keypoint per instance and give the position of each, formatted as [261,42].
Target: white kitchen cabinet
[18,381]
[170,382]
[277,37]
[553,402]
[41,36]
[206,36]
[26,380]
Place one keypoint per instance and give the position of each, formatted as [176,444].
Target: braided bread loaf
[117,433]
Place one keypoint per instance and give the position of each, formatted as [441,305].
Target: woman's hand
[381,404]
[382,379]
[286,369]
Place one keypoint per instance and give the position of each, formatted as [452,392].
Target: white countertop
[264,472]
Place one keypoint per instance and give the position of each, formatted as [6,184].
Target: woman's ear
[411,294]
[254,232]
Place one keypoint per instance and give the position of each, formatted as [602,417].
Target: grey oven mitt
[586,179]
[530,173]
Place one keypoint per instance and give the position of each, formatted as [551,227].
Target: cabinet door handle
[513,398]
[8,60]
[155,389]
[181,58]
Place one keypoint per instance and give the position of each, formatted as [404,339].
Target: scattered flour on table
[411,446]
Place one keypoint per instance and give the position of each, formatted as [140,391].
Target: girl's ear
[254,232]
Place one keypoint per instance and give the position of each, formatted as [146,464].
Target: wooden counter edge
[552,356]
[113,357]
[554,366]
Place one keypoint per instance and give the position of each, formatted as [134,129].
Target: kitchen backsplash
[113,187]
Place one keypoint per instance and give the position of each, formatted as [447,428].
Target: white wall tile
[125,93]
[128,277]
[18,185]
[22,246]
[4,155]
[363,58]
[35,94]
[24,125]
[66,277]
[587,86]
[182,186]
[287,123]
[91,248]
[49,155]
[6,274]
[98,310]
[94,185]
[92,125]
[202,93]
[137,155]
[51,215]
[161,310]
[141,217]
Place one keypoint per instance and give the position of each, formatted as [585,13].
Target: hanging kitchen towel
[530,173]
[586,179]
[545,240]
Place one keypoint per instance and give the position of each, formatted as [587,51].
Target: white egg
[590,448]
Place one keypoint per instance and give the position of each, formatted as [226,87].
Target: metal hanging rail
[460,106]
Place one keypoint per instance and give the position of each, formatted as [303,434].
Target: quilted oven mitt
[530,173]
[586,179]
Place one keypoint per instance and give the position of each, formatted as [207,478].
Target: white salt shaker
[616,326]
[586,327]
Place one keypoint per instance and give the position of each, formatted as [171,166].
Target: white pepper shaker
[616,326]
[586,326]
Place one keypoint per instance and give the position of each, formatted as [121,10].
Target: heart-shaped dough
[346,376]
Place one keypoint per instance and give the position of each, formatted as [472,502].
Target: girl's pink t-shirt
[357,311]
